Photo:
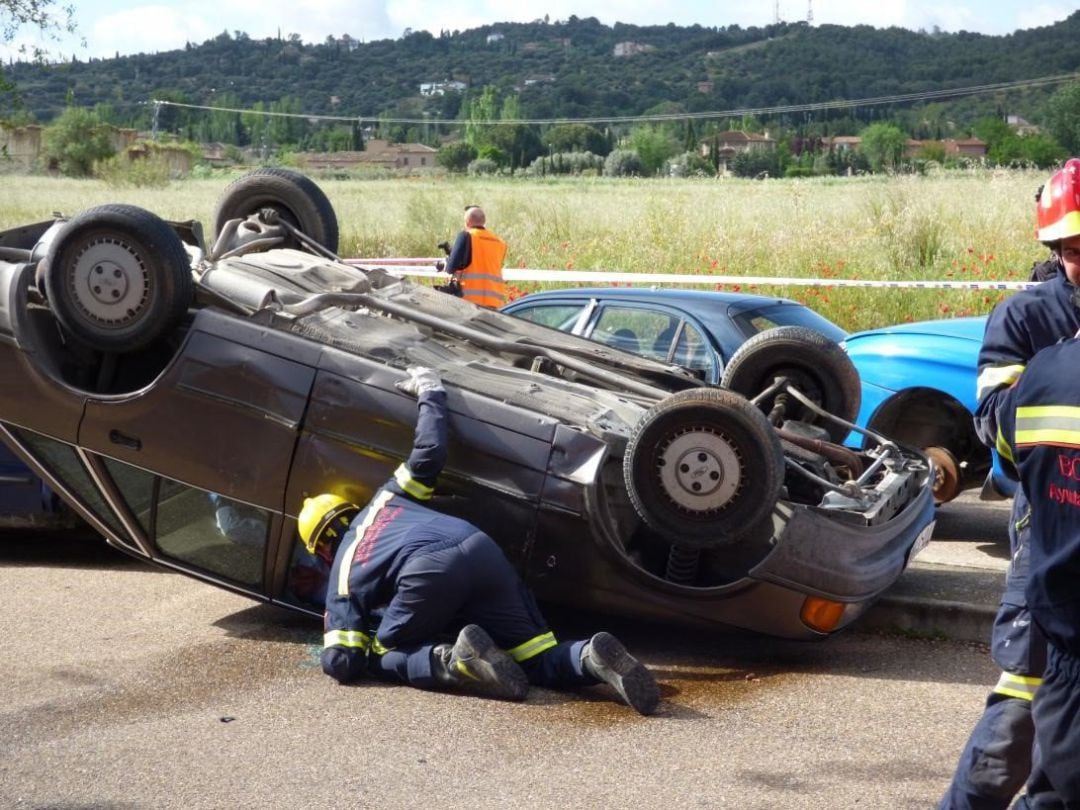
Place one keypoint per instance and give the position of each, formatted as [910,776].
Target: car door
[200,458]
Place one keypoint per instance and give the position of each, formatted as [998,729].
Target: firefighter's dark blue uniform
[997,758]
[1039,433]
[405,573]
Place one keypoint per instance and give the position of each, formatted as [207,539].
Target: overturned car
[185,395]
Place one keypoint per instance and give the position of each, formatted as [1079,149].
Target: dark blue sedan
[696,329]
[917,380]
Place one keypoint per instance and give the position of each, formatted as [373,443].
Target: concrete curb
[939,601]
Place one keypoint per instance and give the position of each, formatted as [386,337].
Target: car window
[693,352]
[308,575]
[557,316]
[760,319]
[64,464]
[633,329]
[202,530]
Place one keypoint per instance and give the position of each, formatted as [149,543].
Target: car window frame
[682,318]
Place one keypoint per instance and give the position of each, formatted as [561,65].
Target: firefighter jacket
[477,260]
[381,539]
[1015,331]
[1039,433]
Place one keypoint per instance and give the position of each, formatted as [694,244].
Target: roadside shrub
[75,140]
[482,166]
[568,163]
[623,163]
[689,164]
[120,171]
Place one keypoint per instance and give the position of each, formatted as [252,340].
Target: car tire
[117,278]
[817,365]
[702,467]
[296,198]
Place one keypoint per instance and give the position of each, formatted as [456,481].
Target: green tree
[883,145]
[1042,150]
[576,138]
[48,16]
[1062,117]
[75,140]
[653,146]
[456,156]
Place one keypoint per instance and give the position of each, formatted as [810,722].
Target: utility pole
[776,12]
[809,12]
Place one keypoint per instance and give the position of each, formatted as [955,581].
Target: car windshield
[759,319]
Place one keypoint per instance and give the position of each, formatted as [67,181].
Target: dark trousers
[1055,774]
[996,760]
[470,582]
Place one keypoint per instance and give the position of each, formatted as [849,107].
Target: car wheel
[295,197]
[117,277]
[817,366]
[702,467]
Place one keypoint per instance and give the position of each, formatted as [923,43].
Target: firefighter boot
[475,664]
[606,659]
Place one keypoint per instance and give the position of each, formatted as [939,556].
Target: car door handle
[122,439]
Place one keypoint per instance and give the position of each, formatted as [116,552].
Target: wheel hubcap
[109,282]
[700,470]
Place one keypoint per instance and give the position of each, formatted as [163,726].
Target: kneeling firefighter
[426,573]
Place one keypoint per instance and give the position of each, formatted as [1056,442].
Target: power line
[837,104]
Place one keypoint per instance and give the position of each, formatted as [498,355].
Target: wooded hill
[568,69]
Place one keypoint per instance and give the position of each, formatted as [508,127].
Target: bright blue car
[918,388]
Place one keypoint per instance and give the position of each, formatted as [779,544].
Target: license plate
[923,540]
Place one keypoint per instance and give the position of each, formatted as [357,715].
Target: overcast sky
[126,26]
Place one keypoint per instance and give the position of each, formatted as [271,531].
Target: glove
[420,381]
[444,247]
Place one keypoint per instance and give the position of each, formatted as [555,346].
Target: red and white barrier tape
[417,267]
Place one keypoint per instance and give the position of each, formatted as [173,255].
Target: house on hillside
[1020,126]
[954,147]
[632,48]
[380,153]
[441,88]
[732,142]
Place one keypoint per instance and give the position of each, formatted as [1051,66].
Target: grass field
[973,225]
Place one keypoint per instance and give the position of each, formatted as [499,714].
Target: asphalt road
[125,687]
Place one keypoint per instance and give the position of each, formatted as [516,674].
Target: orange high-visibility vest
[482,280]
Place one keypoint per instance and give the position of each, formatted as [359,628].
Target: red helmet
[1057,211]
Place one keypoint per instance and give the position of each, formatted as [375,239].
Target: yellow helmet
[324,517]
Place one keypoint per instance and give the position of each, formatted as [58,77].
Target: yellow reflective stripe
[996,377]
[1048,424]
[463,668]
[346,559]
[1017,686]
[1001,444]
[354,639]
[403,476]
[378,648]
[533,647]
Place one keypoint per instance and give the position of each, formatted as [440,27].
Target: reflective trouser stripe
[533,647]
[378,648]
[1017,686]
[346,564]
[404,479]
[1001,444]
[354,639]
[997,377]
[1058,425]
